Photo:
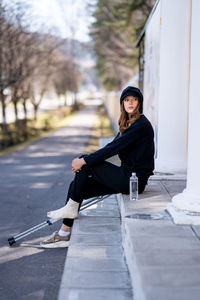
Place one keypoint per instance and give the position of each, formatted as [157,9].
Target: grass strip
[47,122]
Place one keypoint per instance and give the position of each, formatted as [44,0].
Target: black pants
[102,179]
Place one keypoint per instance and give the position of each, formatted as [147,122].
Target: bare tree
[29,61]
[16,51]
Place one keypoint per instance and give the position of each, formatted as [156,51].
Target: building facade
[170,47]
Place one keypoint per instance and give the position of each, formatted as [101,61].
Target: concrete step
[163,258]
[95,266]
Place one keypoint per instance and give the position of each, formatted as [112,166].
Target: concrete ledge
[168,176]
[163,258]
[95,265]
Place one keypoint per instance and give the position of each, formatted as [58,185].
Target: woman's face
[130,104]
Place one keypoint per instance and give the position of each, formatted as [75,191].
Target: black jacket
[135,148]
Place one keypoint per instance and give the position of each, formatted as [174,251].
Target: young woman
[94,176]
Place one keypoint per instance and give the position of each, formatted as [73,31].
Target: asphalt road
[33,181]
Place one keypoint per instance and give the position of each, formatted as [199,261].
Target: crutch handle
[11,241]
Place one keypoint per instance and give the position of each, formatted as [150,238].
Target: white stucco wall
[151,71]
[166,83]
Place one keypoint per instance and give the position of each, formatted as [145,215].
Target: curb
[161,256]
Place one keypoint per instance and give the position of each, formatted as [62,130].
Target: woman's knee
[85,169]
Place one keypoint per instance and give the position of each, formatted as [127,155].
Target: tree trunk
[25,119]
[35,111]
[16,111]
[75,105]
[3,105]
[25,109]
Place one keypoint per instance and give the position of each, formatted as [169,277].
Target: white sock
[63,233]
[70,210]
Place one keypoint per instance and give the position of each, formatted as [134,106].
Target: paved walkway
[31,182]
[95,266]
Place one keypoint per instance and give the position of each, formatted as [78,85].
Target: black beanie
[135,92]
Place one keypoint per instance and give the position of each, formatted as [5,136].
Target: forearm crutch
[85,204]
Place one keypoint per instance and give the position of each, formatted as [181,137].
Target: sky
[69,18]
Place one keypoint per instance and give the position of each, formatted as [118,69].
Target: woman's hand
[77,164]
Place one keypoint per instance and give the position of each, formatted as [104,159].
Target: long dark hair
[124,120]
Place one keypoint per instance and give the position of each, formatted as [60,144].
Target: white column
[173,88]
[185,207]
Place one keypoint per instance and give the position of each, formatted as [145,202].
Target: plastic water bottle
[133,187]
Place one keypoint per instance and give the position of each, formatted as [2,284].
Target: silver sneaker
[56,241]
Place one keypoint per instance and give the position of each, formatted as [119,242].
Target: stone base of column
[181,217]
[185,208]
